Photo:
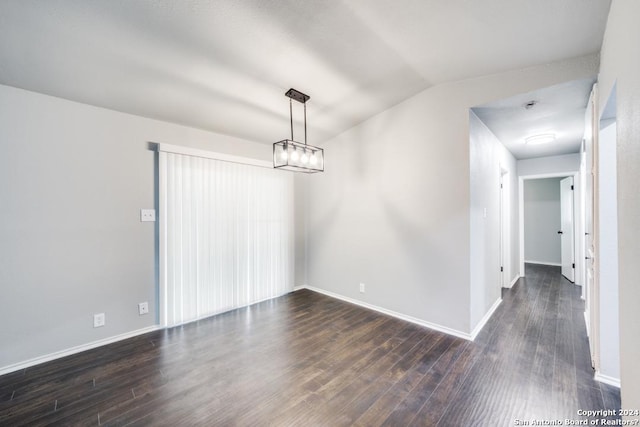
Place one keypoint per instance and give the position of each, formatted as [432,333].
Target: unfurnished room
[319,213]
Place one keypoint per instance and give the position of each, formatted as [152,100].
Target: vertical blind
[226,236]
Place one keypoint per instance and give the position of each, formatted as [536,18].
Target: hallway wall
[488,156]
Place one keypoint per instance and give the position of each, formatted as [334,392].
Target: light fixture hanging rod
[300,97]
[291,116]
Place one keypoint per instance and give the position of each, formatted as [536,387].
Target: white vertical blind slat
[227,236]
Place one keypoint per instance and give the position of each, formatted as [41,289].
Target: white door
[566,232]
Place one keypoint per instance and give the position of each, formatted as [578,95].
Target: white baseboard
[586,323]
[74,350]
[554,264]
[513,282]
[607,379]
[485,319]
[392,313]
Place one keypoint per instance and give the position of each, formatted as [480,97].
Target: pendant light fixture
[297,156]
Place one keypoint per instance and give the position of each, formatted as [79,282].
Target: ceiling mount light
[544,138]
[297,156]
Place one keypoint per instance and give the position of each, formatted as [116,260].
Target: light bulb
[294,155]
[313,160]
[304,158]
[284,155]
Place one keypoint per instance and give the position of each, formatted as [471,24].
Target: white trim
[505,225]
[485,319]
[513,282]
[607,379]
[548,175]
[554,264]
[395,314]
[586,322]
[430,325]
[521,224]
[188,151]
[521,179]
[73,350]
[162,237]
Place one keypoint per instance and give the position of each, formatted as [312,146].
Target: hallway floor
[536,363]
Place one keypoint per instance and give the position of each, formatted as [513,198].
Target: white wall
[392,209]
[72,181]
[300,205]
[542,221]
[608,266]
[487,157]
[620,64]
[549,165]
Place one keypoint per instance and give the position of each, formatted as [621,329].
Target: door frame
[577,224]
[505,229]
[572,241]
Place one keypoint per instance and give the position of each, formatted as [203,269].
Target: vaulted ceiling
[224,65]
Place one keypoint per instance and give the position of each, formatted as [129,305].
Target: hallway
[536,363]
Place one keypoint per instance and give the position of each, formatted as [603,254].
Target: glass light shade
[540,139]
[298,157]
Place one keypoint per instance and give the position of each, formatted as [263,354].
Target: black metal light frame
[291,155]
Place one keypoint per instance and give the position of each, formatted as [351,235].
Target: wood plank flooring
[308,360]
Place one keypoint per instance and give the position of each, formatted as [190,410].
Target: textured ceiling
[224,65]
[558,110]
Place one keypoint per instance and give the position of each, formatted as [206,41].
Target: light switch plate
[147,215]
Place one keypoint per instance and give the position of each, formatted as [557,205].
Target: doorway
[549,221]
[607,329]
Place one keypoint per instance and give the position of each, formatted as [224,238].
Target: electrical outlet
[99,320]
[143,308]
[362,288]
[147,215]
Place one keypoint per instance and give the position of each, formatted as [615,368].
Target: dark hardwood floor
[308,360]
